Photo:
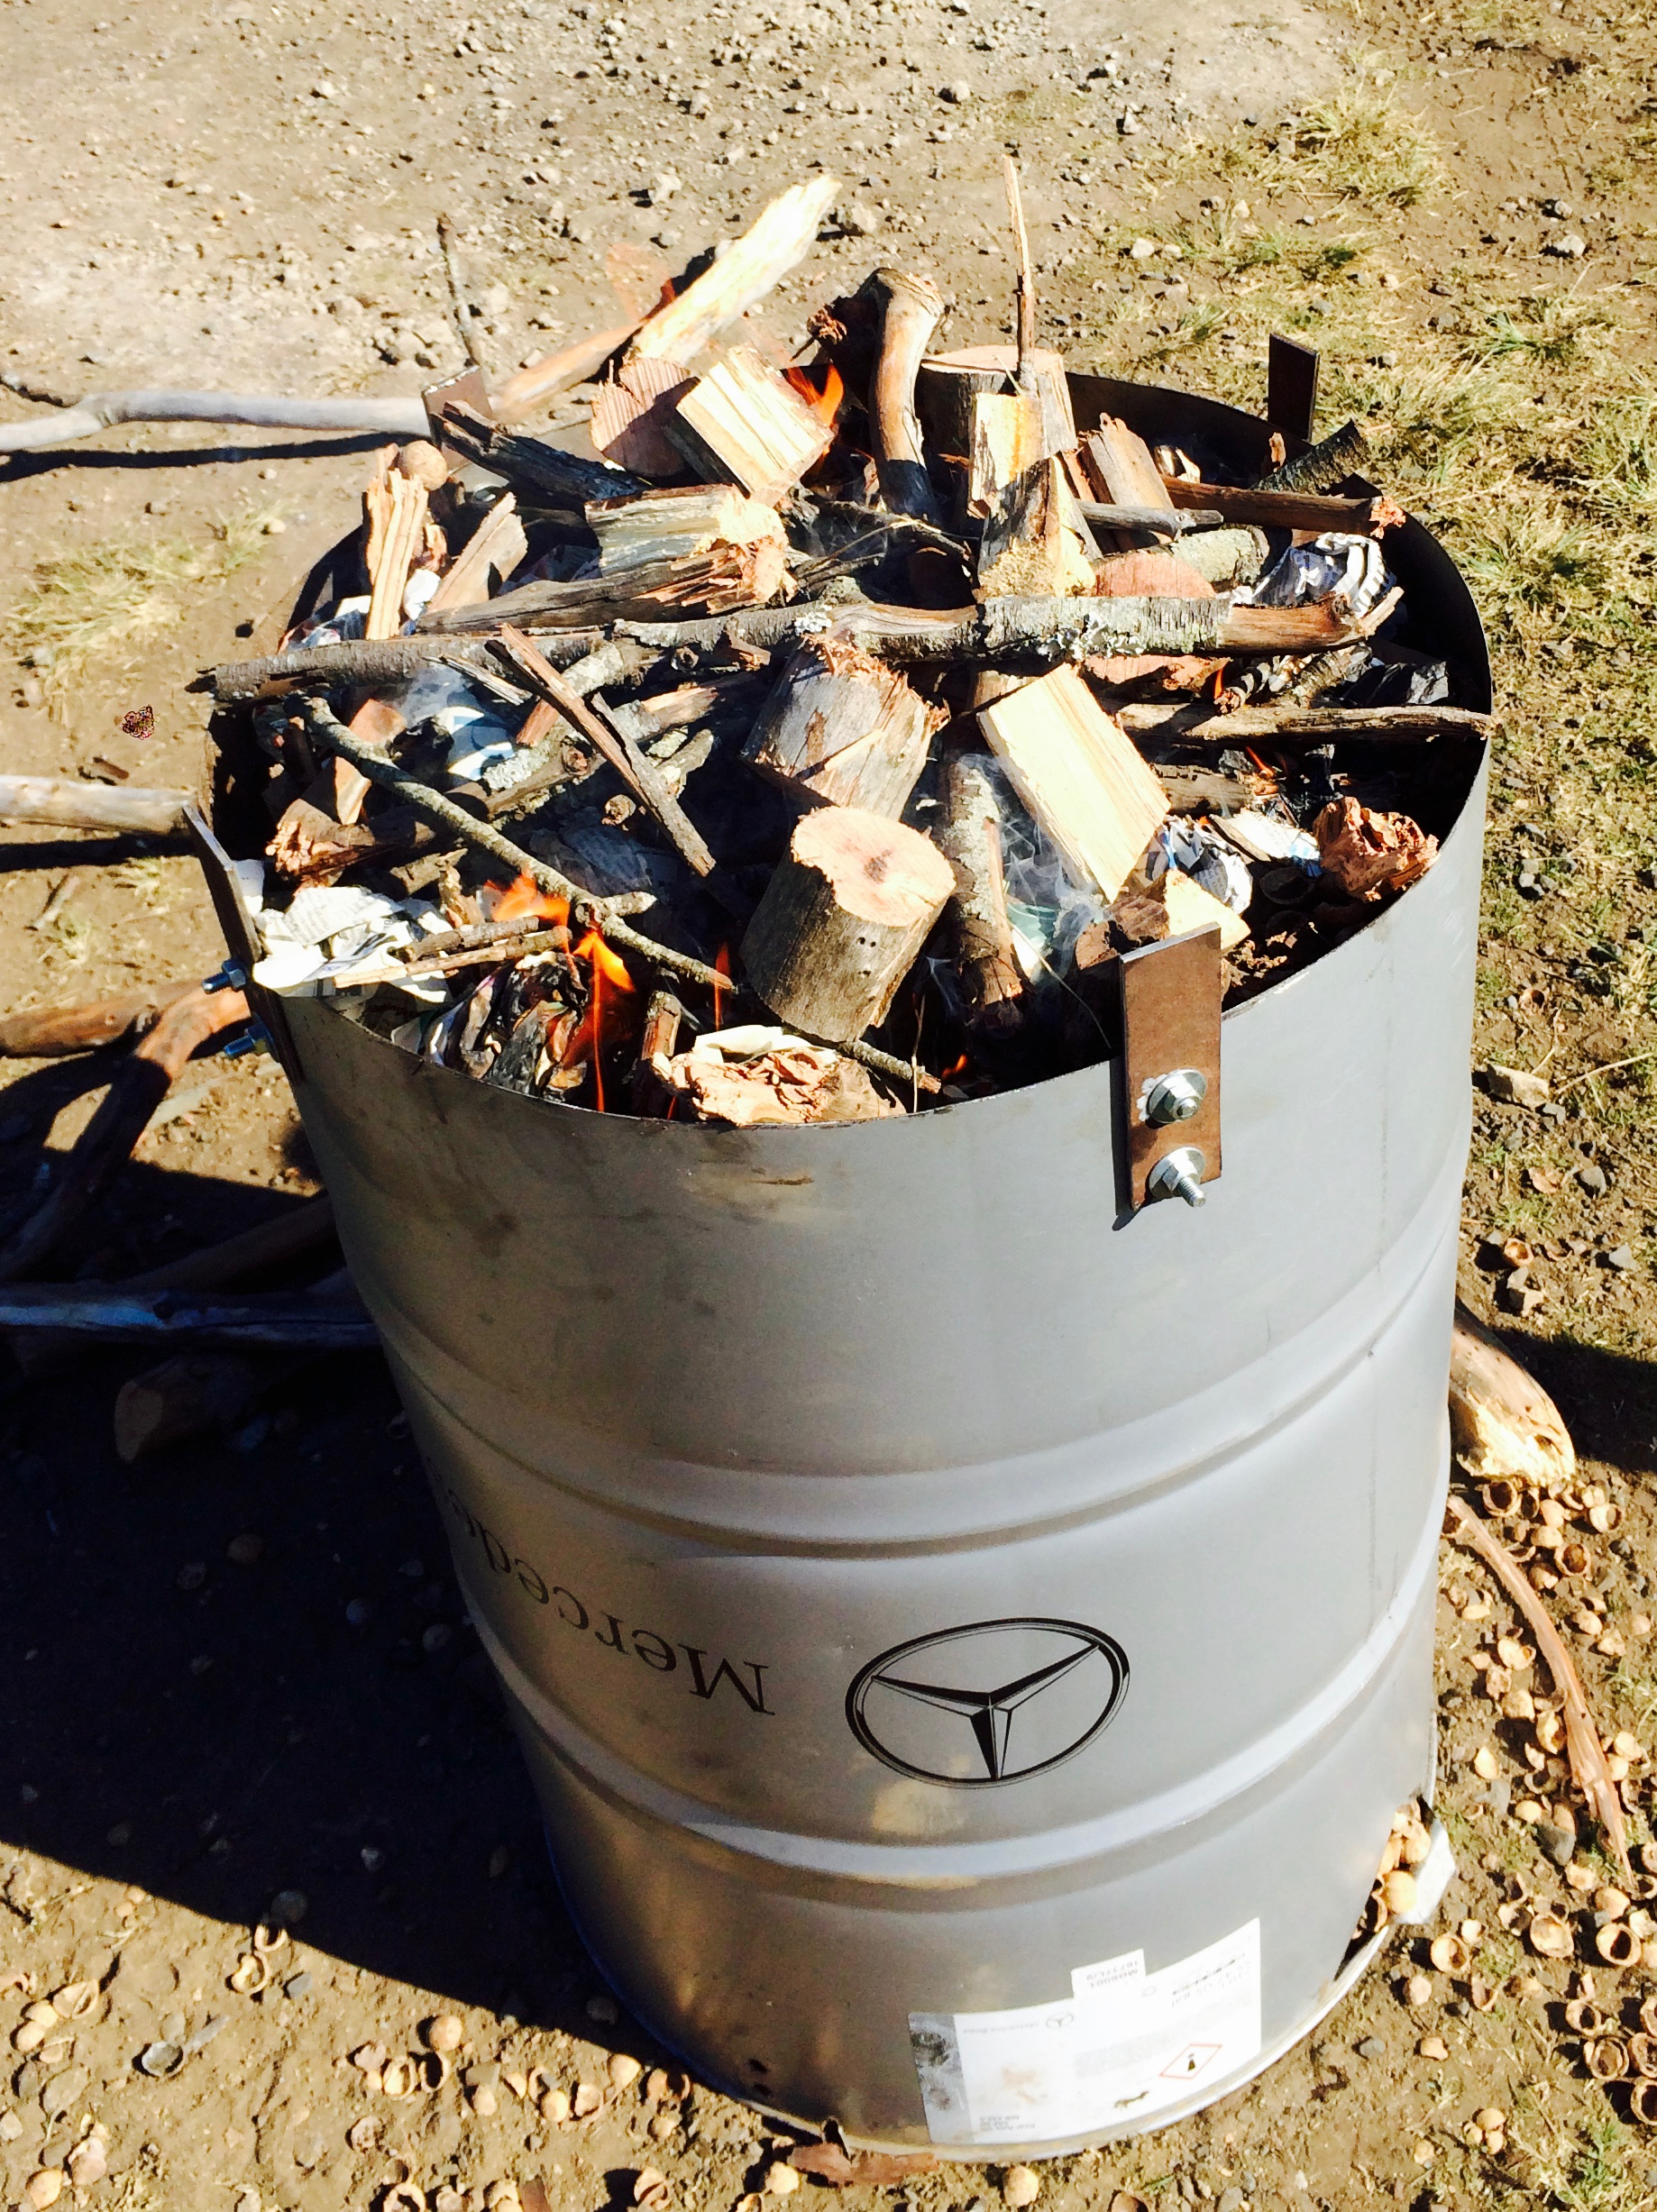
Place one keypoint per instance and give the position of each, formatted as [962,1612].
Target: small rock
[1593,1179]
[602,2008]
[88,2161]
[358,1612]
[436,1638]
[1418,1989]
[10,2126]
[956,93]
[445,2033]
[499,1859]
[1569,246]
[1516,1085]
[1231,2200]
[1142,250]
[1022,2186]
[624,2070]
[1555,1843]
[782,2180]
[191,1575]
[1558,209]
[1620,1258]
[1371,2047]
[862,220]
[244,1551]
[63,2092]
[287,1908]
[372,1858]
[1433,2047]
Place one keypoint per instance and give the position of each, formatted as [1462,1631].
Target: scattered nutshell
[1480,1994]
[553,2106]
[1125,2200]
[1485,1764]
[587,2101]
[501,2196]
[1422,2153]
[1606,2057]
[1608,1899]
[27,2036]
[364,2135]
[651,2190]
[43,2187]
[664,2127]
[1583,2016]
[445,2033]
[1432,2047]
[782,2180]
[250,1974]
[1551,1937]
[661,2086]
[1022,2185]
[433,2066]
[1642,2056]
[370,2057]
[74,2000]
[401,2078]
[750,2203]
[1616,1944]
[1418,1989]
[1398,1891]
[484,2101]
[1492,2119]
[88,2161]
[1450,1954]
[268,1938]
[624,2070]
[518,2083]
[403,2197]
[1627,1746]
[157,2060]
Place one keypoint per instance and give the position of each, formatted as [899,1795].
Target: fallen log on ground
[69,804]
[53,1032]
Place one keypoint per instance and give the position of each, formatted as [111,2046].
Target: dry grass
[1362,142]
[108,602]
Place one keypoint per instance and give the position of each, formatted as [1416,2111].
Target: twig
[1587,1753]
[1610,1068]
[457,294]
[1026,286]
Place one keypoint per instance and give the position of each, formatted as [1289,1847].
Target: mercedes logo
[993,1702]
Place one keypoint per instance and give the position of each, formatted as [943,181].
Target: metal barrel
[969,1641]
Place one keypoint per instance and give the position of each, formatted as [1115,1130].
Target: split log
[395,508]
[948,384]
[1323,466]
[391,418]
[1291,629]
[745,420]
[489,557]
[912,308]
[845,913]
[689,523]
[1030,547]
[70,805]
[1287,510]
[122,1115]
[650,1085]
[1006,445]
[1079,774]
[52,1032]
[840,728]
[720,579]
[277,1320]
[1118,463]
[1150,575]
[1503,1423]
[984,954]
[189,1396]
[538,381]
[783,233]
[1025,294]
[631,415]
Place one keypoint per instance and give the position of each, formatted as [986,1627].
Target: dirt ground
[243,1669]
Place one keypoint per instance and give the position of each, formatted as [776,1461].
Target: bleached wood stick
[391,418]
[70,805]
[744,273]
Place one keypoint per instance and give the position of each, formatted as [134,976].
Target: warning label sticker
[1125,2045]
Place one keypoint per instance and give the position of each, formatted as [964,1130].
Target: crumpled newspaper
[1369,854]
[754,1075]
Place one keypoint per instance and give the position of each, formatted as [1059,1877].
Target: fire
[722,962]
[525,897]
[601,1023]
[825,404]
[958,1069]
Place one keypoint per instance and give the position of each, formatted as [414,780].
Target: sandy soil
[243,1669]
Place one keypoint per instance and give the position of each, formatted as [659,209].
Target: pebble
[1371,2047]
[287,1908]
[1620,1258]
[1516,1085]
[1022,2186]
[1231,2200]
[1418,1989]
[191,1575]
[958,92]
[445,2033]
[602,2008]
[1593,1179]
[1432,2047]
[358,1612]
[297,1985]
[1569,246]
[1555,1843]
[624,2070]
[88,2161]
[372,1858]
[244,1551]
[783,2179]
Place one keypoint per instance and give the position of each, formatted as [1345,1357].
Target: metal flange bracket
[1169,1067]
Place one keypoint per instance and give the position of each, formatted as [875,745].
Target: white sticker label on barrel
[1123,2046]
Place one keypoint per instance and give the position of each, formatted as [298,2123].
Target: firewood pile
[813,749]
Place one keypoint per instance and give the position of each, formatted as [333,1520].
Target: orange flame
[825,404]
[955,1070]
[600,1024]
[722,962]
[525,897]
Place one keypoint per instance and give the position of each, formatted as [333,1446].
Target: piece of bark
[395,508]
[52,1032]
[538,381]
[1323,466]
[1369,854]
[1236,553]
[828,2161]
[1079,774]
[67,804]
[1502,1421]
[650,1084]
[490,556]
[630,414]
[1030,547]
[101,1150]
[1287,510]
[782,234]
[847,911]
[1583,1747]
[689,522]
[984,954]
[1118,463]
[1006,445]
[911,308]
[840,728]
[275,1320]
[744,422]
[1290,629]
[1148,575]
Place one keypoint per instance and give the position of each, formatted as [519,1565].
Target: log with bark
[1079,774]
[1320,726]
[744,422]
[1323,466]
[101,1149]
[842,920]
[949,384]
[911,307]
[689,523]
[357,663]
[273,1320]
[190,1395]
[840,728]
[1287,510]
[67,804]
[543,475]
[783,234]
[53,1032]
[83,418]
[1032,547]
[984,954]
